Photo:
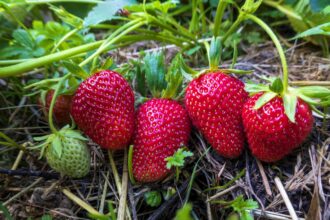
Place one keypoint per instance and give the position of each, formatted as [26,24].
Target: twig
[45,175]
[208,209]
[264,178]
[286,198]
[123,196]
[114,171]
[221,193]
[104,194]
[310,83]
[132,202]
[272,215]
[22,192]
[80,202]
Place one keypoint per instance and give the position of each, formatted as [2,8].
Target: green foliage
[153,198]
[154,66]
[178,158]
[184,213]
[105,11]
[240,206]
[5,212]
[303,18]
[244,207]
[174,78]
[46,217]
[24,46]
[323,29]
[318,5]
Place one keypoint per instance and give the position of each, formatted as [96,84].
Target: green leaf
[277,86]
[57,147]
[241,206]
[290,105]
[314,91]
[184,213]
[67,17]
[323,29]
[46,217]
[75,69]
[105,11]
[177,160]
[265,98]
[154,64]
[318,5]
[153,198]
[5,212]
[24,38]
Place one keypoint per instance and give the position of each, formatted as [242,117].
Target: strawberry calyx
[214,56]
[313,95]
[162,82]
[54,140]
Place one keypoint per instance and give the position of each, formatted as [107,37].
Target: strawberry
[214,102]
[75,158]
[162,124]
[270,133]
[66,152]
[162,127]
[103,108]
[61,111]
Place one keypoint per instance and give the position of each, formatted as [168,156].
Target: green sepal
[174,78]
[74,134]
[290,105]
[253,88]
[155,72]
[266,97]
[276,86]
[314,91]
[214,53]
[57,146]
[41,138]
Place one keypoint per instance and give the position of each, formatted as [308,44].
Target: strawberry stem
[278,47]
[130,164]
[51,107]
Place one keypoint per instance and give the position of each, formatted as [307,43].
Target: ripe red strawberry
[103,108]
[61,111]
[214,102]
[162,127]
[270,133]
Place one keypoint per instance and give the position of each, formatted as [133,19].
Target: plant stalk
[279,48]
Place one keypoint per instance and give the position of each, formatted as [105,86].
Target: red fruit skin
[162,127]
[103,108]
[214,102]
[61,110]
[270,133]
